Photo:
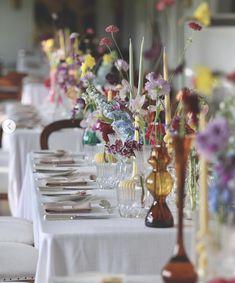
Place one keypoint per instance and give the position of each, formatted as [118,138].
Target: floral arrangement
[110,91]
[216,144]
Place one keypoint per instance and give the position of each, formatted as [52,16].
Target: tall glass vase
[160,184]
[179,269]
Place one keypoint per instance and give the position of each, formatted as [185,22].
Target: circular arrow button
[8,126]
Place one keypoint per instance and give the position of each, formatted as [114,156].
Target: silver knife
[54,189]
[74,217]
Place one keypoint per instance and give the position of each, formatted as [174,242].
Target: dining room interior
[117,141]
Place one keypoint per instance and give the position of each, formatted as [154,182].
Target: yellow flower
[204,80]
[108,58]
[48,45]
[202,14]
[89,63]
[69,60]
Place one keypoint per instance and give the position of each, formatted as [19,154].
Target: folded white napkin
[67,208]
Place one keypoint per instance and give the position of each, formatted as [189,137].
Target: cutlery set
[64,189]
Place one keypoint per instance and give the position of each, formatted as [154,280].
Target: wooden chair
[11,86]
[56,126]
[1,132]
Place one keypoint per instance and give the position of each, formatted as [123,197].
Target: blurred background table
[34,91]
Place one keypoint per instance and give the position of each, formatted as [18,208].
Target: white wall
[213,47]
[16,29]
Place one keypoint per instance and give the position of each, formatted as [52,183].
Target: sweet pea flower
[213,139]
[121,64]
[156,87]
[137,103]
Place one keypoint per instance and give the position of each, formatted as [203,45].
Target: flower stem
[119,51]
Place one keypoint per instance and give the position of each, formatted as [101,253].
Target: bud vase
[179,269]
[159,183]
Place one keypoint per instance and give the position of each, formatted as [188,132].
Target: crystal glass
[131,192]
[107,175]
[91,150]
[130,201]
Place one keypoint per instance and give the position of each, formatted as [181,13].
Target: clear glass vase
[132,195]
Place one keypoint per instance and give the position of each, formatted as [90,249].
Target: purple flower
[121,65]
[156,87]
[213,139]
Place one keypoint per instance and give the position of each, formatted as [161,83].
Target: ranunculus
[112,29]
[105,41]
[194,26]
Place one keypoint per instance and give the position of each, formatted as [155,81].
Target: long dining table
[111,244]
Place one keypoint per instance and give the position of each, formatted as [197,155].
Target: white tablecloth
[34,93]
[23,141]
[114,245]
[83,278]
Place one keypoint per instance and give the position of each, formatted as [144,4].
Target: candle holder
[160,184]
[179,269]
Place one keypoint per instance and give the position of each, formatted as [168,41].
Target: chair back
[56,126]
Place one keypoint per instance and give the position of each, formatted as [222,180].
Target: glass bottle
[159,183]
[179,269]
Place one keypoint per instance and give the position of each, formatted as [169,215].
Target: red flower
[155,131]
[231,77]
[105,41]
[105,129]
[176,125]
[47,83]
[161,5]
[112,28]
[194,26]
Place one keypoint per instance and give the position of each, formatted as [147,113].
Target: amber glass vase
[159,183]
[179,269]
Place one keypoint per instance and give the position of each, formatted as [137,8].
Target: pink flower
[161,5]
[105,41]
[90,31]
[112,28]
[194,26]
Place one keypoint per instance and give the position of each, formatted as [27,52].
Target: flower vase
[159,183]
[179,269]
